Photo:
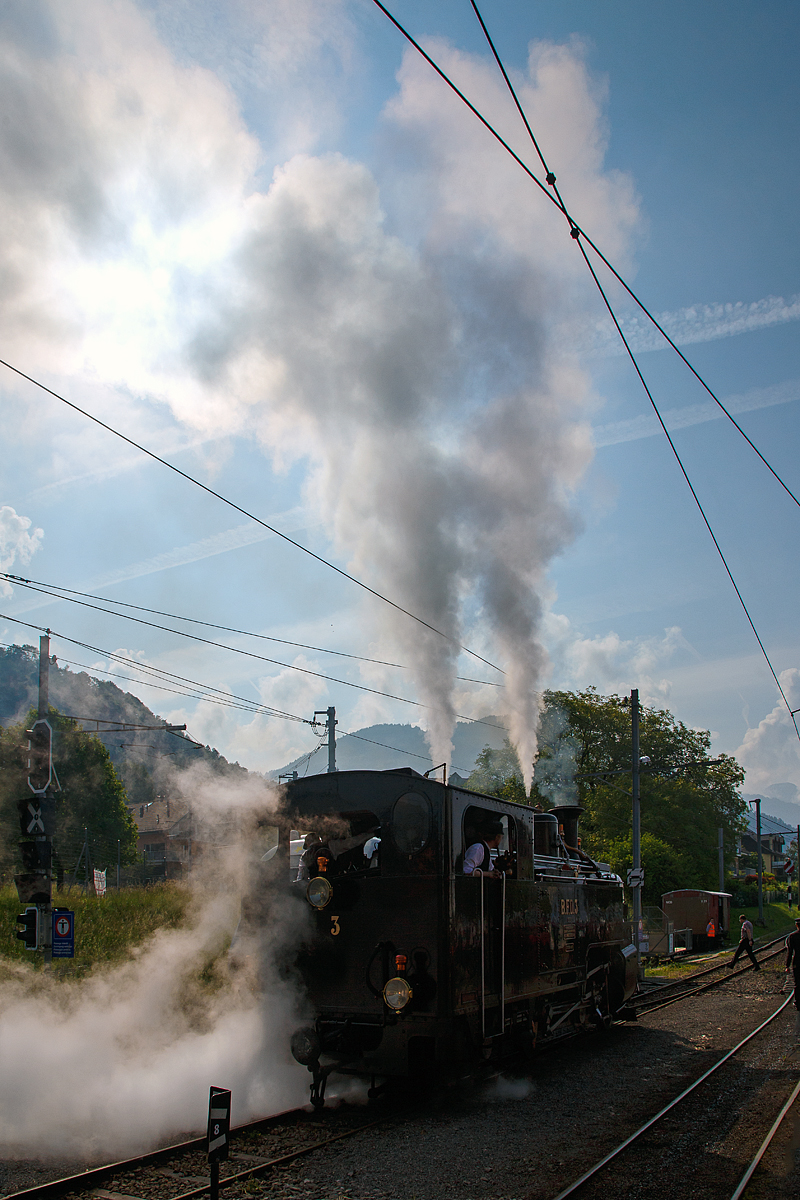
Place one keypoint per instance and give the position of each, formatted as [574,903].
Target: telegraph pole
[637,822]
[757,803]
[721,833]
[330,725]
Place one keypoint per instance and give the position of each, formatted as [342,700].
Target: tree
[685,798]
[92,796]
[498,773]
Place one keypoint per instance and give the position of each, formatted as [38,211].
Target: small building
[159,851]
[690,908]
[774,836]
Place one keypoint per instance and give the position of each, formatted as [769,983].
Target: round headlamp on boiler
[397,993]
[319,892]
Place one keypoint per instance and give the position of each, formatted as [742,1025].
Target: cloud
[263,742]
[611,663]
[770,752]
[697,323]
[413,365]
[647,425]
[18,543]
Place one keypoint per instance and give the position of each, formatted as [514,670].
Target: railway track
[659,997]
[580,1184]
[180,1172]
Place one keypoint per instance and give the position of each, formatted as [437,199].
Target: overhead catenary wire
[576,234]
[222,698]
[246,706]
[576,230]
[362,687]
[245,513]
[56,590]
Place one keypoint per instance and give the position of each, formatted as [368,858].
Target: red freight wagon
[689,908]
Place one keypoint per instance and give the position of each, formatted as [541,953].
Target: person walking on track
[745,945]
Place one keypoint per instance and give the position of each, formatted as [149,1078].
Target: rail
[587,1175]
[743,1182]
[88,1180]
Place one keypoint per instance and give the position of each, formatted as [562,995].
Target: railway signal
[36,819]
[40,756]
[29,934]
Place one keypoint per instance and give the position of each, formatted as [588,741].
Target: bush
[106,929]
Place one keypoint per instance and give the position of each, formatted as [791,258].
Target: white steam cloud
[145,1039]
[770,751]
[397,332]
[18,542]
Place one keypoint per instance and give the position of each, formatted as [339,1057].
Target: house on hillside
[163,856]
[775,835]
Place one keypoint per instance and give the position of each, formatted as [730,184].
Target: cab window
[476,821]
[335,844]
[411,823]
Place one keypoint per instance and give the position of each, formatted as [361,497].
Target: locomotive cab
[415,961]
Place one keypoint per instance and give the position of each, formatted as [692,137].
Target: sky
[267,243]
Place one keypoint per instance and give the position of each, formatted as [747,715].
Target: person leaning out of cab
[479,854]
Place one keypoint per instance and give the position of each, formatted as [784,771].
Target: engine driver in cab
[478,856]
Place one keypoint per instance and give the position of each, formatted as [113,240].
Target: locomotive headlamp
[319,892]
[397,993]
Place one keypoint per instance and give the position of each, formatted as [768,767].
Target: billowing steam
[554,773]
[400,328]
[124,1059]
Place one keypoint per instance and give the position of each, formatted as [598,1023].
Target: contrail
[218,543]
[697,323]
[646,425]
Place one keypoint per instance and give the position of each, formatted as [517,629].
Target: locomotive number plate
[335,928]
[569,908]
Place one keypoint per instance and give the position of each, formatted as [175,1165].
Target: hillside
[144,758]
[381,747]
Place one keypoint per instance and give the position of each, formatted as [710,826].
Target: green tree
[685,798]
[92,796]
[498,773]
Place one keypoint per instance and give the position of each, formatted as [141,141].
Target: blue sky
[266,243]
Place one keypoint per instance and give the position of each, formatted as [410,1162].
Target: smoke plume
[396,328]
[123,1059]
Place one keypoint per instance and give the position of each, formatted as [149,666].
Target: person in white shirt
[479,857]
[745,944]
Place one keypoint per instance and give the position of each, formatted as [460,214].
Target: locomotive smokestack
[568,816]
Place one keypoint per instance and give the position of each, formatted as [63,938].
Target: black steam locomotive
[415,966]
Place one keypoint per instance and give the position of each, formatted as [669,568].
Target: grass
[778,919]
[105,929]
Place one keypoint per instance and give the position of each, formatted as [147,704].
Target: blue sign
[63,933]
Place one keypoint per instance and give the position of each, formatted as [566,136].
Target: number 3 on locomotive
[335,930]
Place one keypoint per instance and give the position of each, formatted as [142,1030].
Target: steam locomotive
[411,965]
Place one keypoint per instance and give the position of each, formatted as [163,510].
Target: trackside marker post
[219,1124]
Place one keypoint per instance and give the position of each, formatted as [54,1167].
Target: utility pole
[721,860]
[757,803]
[330,725]
[637,824]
